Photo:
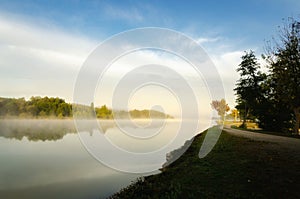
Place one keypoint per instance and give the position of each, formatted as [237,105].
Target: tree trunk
[247,110]
[244,119]
[297,115]
[244,116]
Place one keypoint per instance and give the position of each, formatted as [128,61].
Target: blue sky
[40,38]
[248,22]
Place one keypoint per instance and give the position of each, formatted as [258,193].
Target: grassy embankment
[236,168]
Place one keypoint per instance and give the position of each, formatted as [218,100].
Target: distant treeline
[35,107]
[50,107]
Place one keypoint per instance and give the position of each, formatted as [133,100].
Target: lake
[48,159]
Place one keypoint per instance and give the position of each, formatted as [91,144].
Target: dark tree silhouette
[248,88]
[284,64]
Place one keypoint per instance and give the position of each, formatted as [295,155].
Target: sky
[43,44]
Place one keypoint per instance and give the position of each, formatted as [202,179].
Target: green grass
[236,168]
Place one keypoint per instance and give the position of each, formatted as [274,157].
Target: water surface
[46,159]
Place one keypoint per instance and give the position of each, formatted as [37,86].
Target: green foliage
[274,98]
[285,71]
[140,114]
[147,114]
[36,107]
[103,112]
[249,87]
[82,111]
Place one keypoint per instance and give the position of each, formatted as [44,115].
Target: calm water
[46,159]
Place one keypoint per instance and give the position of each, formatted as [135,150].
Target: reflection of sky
[132,149]
[28,167]
[58,165]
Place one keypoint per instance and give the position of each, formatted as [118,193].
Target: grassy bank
[236,168]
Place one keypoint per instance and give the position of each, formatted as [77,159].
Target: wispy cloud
[39,61]
[130,14]
[33,59]
[202,40]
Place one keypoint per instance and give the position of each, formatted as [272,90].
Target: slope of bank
[237,167]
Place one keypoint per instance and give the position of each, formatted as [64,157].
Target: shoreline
[237,167]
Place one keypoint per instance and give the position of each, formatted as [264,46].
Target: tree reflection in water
[40,130]
[47,130]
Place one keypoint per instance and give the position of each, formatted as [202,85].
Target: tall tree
[284,62]
[248,88]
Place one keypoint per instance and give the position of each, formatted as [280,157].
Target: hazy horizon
[43,48]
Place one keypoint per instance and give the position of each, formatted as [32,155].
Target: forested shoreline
[54,107]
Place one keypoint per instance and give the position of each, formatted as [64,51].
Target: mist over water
[45,158]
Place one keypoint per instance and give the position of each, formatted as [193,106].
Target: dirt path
[292,143]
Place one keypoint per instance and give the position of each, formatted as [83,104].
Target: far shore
[71,118]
